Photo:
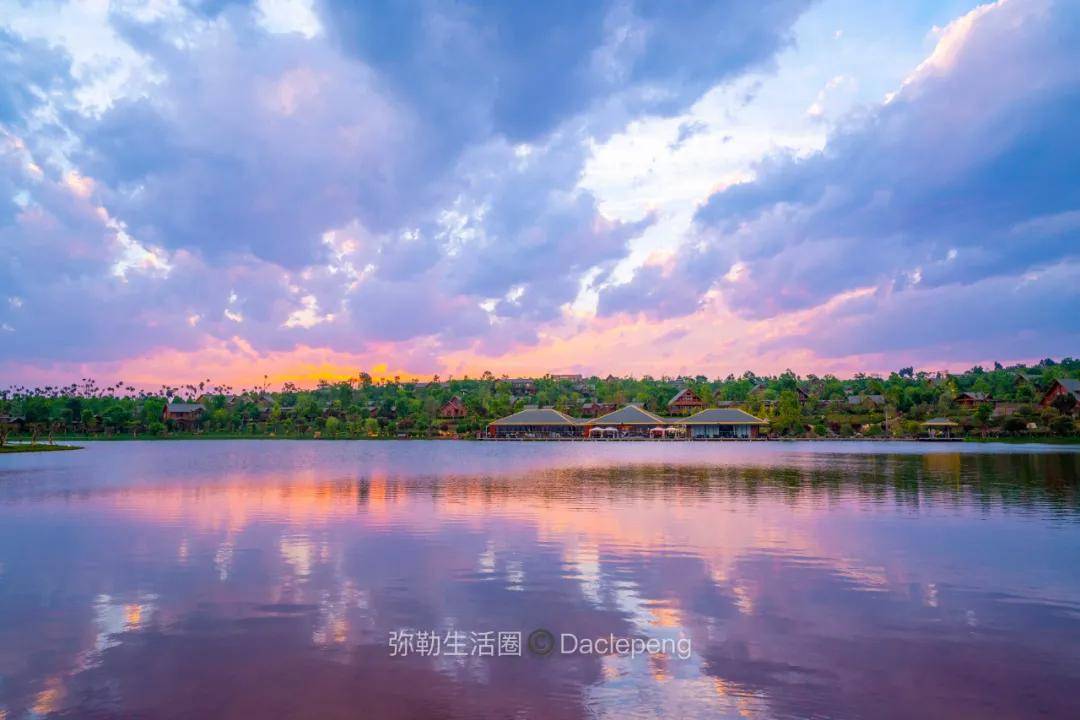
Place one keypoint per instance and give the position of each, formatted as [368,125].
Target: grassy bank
[207,436]
[38,447]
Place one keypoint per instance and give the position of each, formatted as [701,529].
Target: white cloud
[308,315]
[289,16]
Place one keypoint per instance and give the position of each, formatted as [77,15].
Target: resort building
[1033,380]
[536,423]
[723,423]
[628,422]
[1063,387]
[685,402]
[940,428]
[453,408]
[856,400]
[971,399]
[596,409]
[522,386]
[184,415]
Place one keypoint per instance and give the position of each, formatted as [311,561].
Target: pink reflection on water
[262,579]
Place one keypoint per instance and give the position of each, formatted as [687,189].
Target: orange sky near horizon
[713,342]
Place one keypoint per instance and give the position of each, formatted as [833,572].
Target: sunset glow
[296,190]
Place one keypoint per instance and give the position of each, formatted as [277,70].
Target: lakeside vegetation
[998,402]
[10,448]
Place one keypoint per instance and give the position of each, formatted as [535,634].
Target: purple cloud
[967,178]
[364,186]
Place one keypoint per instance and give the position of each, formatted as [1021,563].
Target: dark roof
[683,393]
[536,416]
[1071,385]
[185,407]
[722,416]
[629,415]
[859,399]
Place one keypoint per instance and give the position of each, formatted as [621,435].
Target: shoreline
[22,448]
[43,447]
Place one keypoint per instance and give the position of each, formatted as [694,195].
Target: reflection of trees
[1022,481]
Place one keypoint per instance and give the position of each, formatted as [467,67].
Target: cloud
[964,178]
[31,72]
[1033,314]
[519,70]
[287,174]
[253,143]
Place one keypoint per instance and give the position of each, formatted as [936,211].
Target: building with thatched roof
[536,423]
[723,423]
[629,420]
[940,427]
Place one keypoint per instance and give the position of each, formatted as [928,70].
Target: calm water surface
[263,579]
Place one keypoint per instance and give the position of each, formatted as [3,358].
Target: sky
[309,188]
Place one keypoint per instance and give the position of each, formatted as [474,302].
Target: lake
[295,579]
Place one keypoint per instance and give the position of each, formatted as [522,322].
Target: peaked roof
[974,395]
[686,393]
[185,407]
[629,415]
[722,416]
[536,416]
[1071,385]
[859,399]
[941,422]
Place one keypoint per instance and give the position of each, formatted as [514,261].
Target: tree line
[796,406]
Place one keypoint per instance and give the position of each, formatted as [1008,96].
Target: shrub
[1063,426]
